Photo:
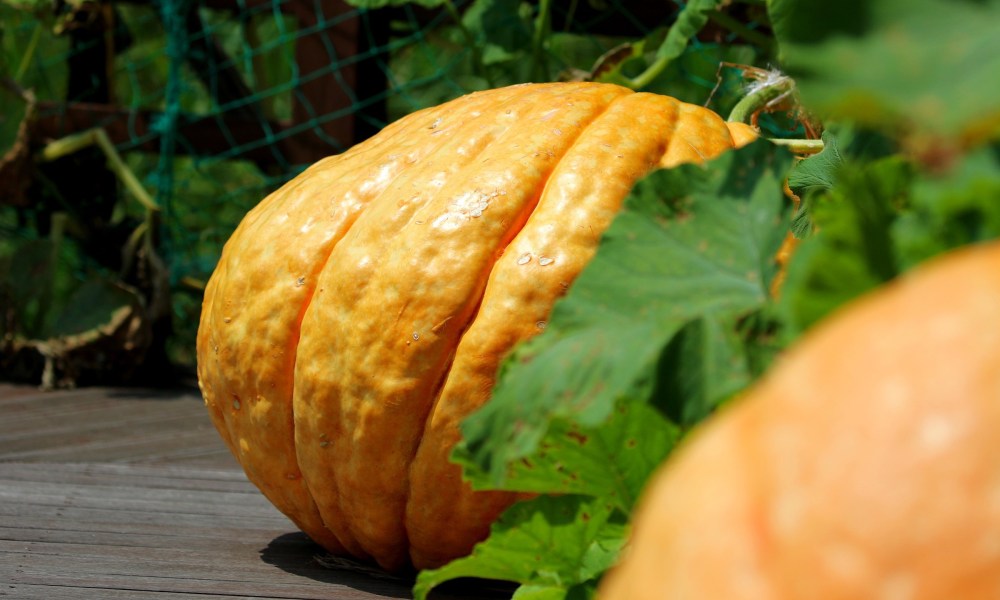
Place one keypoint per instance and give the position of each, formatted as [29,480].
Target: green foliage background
[437,50]
[677,314]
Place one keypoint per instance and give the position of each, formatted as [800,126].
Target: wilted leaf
[93,305]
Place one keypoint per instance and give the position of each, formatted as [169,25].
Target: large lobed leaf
[586,410]
[552,545]
[610,461]
[691,242]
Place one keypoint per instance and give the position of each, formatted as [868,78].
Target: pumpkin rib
[374,411]
[412,122]
[357,549]
[259,225]
[700,135]
[303,511]
[524,216]
[230,431]
[512,233]
[609,142]
[206,347]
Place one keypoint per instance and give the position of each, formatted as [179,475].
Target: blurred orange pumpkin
[865,466]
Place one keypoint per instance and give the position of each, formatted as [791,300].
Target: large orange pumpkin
[865,466]
[360,312]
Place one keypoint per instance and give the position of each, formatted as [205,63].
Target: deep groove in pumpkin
[447,361]
[348,526]
[312,278]
[511,234]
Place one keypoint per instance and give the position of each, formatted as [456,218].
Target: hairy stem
[800,146]
[757,100]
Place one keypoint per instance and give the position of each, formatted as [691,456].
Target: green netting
[213,103]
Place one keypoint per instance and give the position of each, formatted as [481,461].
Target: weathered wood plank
[223,568]
[109,494]
[148,476]
[102,529]
[46,591]
[108,425]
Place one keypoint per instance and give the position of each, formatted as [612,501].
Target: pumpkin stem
[799,146]
[768,91]
[762,94]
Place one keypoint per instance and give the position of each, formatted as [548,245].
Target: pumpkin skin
[358,313]
[864,466]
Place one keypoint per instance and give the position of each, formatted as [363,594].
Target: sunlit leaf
[550,544]
[692,242]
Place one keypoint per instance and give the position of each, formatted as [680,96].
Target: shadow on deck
[130,493]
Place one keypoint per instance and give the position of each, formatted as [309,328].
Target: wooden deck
[112,493]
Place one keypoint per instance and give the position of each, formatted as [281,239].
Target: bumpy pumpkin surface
[864,467]
[360,312]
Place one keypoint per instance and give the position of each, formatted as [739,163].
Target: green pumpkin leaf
[549,544]
[690,21]
[704,365]
[544,592]
[94,305]
[817,172]
[26,281]
[504,32]
[881,218]
[691,242]
[852,252]
[610,461]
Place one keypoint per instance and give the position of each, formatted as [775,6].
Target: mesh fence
[214,103]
